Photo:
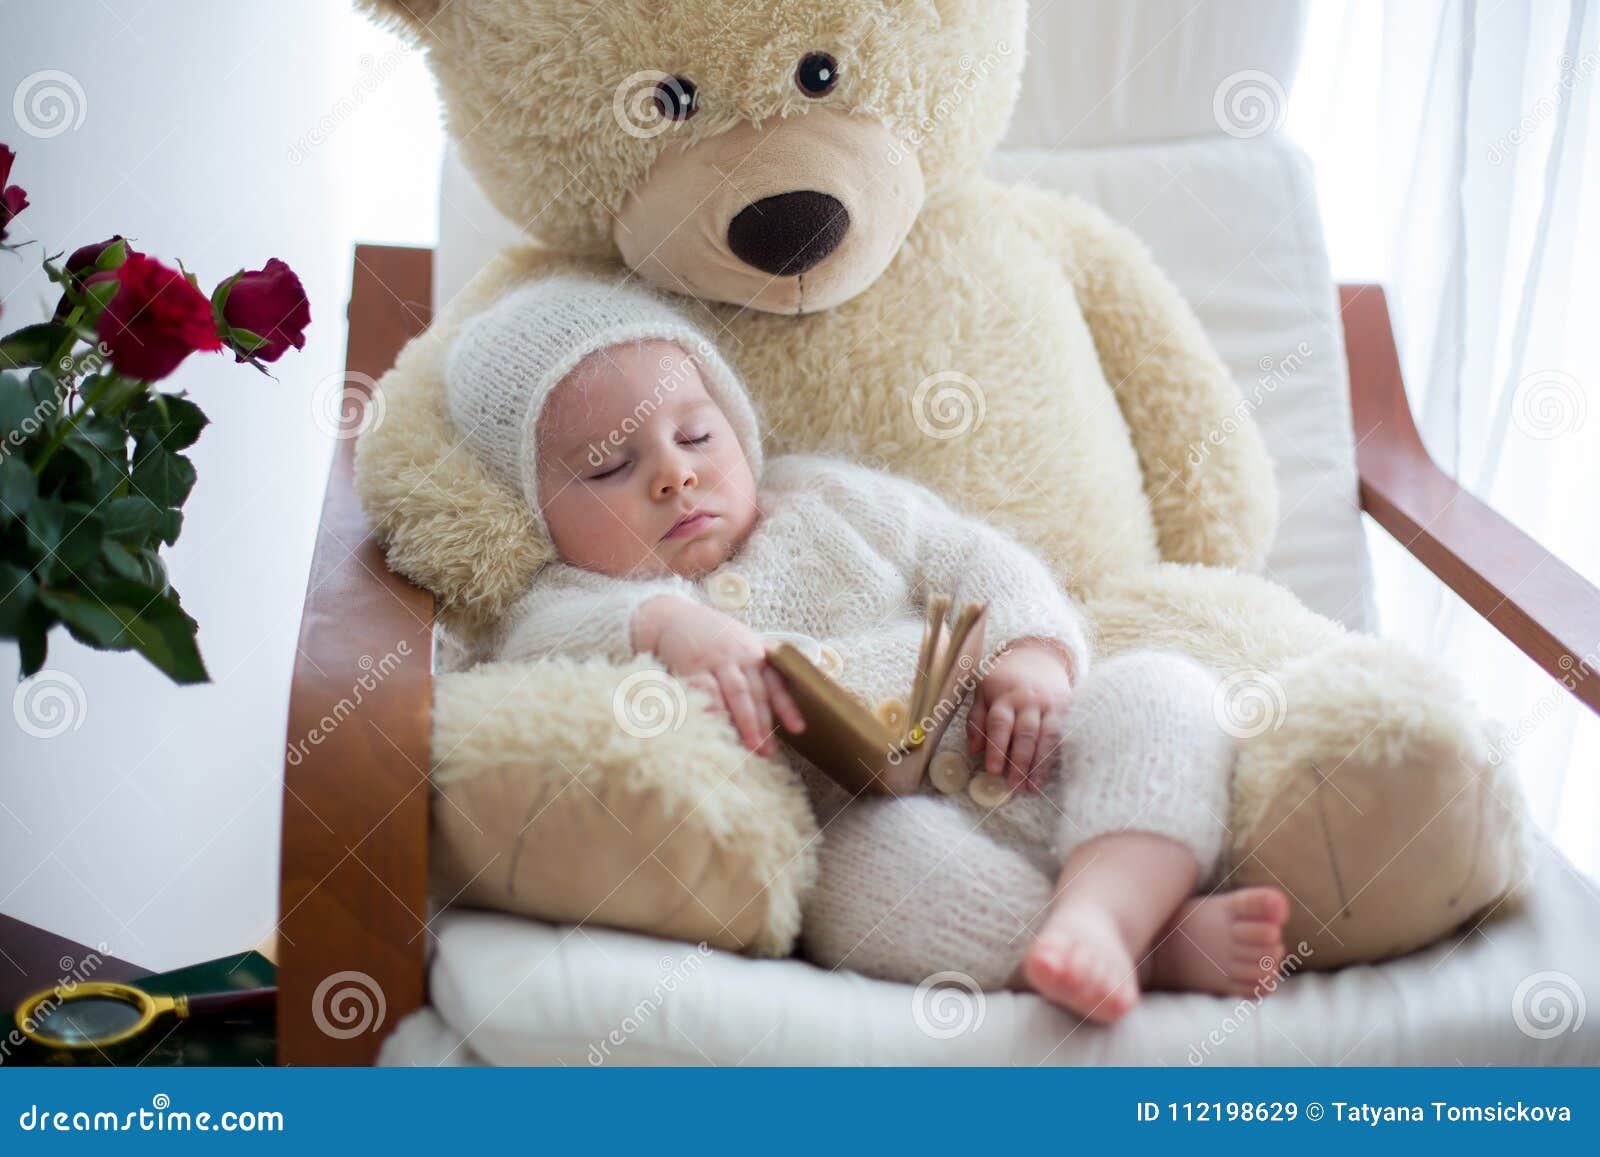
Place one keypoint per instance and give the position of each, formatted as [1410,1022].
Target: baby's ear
[409,16]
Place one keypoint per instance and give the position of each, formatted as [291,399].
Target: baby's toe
[1256,933]
[1265,904]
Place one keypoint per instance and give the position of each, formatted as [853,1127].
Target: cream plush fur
[1364,786]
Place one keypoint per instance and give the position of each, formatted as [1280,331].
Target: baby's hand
[723,657]
[1018,713]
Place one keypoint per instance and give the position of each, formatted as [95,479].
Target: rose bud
[12,199]
[155,320]
[80,268]
[83,259]
[270,303]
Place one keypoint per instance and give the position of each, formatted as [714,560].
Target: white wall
[222,135]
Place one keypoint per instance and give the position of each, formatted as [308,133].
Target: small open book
[886,752]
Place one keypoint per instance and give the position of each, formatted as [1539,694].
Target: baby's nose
[676,478]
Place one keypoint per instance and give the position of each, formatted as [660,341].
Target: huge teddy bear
[805,175]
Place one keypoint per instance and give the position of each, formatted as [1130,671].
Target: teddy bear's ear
[409,16]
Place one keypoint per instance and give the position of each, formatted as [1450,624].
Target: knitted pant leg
[913,886]
[1144,752]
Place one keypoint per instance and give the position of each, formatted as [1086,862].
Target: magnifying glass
[98,1014]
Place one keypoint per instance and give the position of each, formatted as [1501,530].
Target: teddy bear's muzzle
[791,216]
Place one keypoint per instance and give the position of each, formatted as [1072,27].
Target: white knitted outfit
[846,557]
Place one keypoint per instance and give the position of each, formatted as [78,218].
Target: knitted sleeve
[944,552]
[573,612]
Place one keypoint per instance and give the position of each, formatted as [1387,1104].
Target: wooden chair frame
[353,901]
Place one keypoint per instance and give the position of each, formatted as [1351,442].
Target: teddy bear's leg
[587,793]
[1366,785]
[910,887]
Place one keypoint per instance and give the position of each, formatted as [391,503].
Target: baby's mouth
[690,525]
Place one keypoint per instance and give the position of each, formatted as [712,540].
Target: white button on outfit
[949,772]
[728,591]
[988,791]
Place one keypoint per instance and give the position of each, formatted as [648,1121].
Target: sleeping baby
[1072,814]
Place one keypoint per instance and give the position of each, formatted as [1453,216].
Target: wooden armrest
[353,896]
[1546,608]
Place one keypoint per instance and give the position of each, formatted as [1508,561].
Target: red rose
[270,303]
[12,199]
[155,320]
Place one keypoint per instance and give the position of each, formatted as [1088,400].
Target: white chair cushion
[509,991]
[1110,72]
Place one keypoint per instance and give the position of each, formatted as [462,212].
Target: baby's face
[640,474]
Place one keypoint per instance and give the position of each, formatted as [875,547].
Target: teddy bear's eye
[817,74]
[674,98]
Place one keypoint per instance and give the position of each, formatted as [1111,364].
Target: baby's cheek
[595,534]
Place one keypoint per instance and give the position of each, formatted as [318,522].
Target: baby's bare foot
[1081,961]
[1229,944]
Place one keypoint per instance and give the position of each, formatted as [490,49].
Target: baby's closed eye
[616,470]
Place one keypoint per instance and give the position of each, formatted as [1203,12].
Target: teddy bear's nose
[787,234]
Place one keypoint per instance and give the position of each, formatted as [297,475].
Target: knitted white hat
[505,363]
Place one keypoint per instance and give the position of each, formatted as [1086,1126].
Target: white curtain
[1453,139]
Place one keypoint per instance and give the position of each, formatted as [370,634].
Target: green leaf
[161,476]
[80,542]
[21,416]
[134,519]
[32,345]
[171,524]
[115,392]
[18,594]
[33,634]
[123,562]
[99,295]
[172,421]
[219,295]
[120,613]
[18,487]
[103,469]
[46,522]
[46,390]
[112,256]
[94,620]
[154,572]
[247,340]
[65,535]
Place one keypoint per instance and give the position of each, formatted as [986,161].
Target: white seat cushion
[509,991]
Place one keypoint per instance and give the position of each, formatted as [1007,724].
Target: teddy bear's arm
[445,523]
[1206,470]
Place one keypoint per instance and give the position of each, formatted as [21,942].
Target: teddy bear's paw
[1368,788]
[592,793]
